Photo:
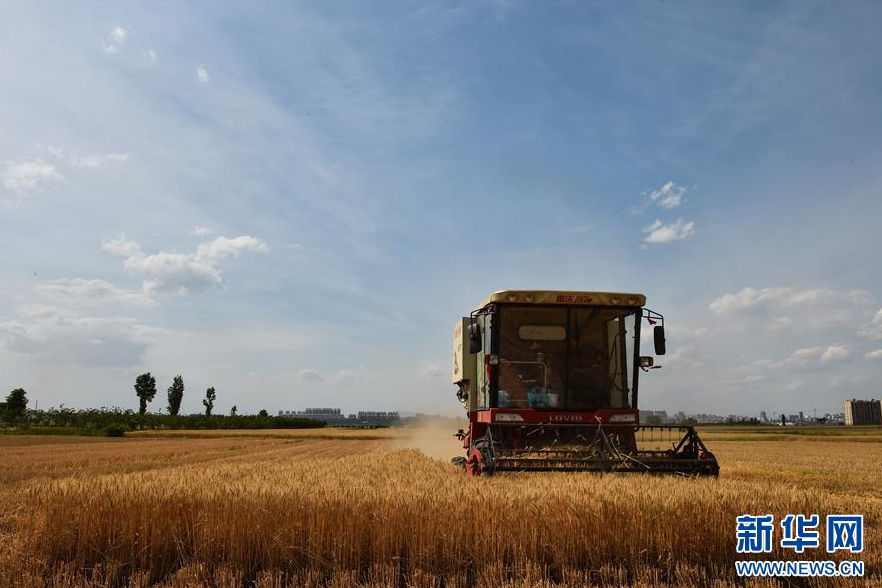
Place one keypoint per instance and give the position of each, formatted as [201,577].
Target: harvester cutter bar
[595,447]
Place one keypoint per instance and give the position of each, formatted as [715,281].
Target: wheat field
[378,508]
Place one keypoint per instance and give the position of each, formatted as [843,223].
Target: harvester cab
[550,379]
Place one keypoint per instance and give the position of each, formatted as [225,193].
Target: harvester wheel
[475,464]
[714,469]
[459,461]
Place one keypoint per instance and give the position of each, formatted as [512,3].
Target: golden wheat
[306,511]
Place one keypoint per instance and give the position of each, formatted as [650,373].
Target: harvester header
[549,380]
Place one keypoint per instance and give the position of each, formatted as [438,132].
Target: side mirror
[646,361]
[474,338]
[658,335]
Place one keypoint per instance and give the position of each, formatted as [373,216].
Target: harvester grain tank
[550,379]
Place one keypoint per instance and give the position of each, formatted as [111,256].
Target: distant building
[374,417]
[863,412]
[763,416]
[335,417]
[332,416]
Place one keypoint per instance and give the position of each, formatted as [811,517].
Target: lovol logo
[566,417]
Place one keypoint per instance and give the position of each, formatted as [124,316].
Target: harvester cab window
[532,358]
[484,321]
[564,358]
[598,376]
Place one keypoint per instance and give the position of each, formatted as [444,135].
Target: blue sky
[294,201]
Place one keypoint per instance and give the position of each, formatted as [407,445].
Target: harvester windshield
[565,357]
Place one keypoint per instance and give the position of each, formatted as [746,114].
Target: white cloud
[202,74]
[61,328]
[801,356]
[874,354]
[174,273]
[662,233]
[310,375]
[840,381]
[813,355]
[753,298]
[655,225]
[669,196]
[182,273]
[78,293]
[873,329]
[23,176]
[118,35]
[85,161]
[61,335]
[52,149]
[98,160]
[116,38]
[791,308]
[857,382]
[835,353]
[149,55]
[122,246]
[348,377]
[432,371]
[344,377]
[198,231]
[222,247]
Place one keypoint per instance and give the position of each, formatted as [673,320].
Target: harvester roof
[562,297]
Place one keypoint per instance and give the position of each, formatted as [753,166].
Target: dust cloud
[434,437]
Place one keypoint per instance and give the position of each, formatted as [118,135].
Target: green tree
[145,390]
[233,411]
[653,419]
[208,403]
[16,404]
[263,413]
[175,395]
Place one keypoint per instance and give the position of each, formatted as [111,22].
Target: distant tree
[233,411]
[145,390]
[653,419]
[175,395]
[690,421]
[208,403]
[263,413]
[16,404]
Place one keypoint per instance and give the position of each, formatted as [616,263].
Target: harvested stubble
[344,512]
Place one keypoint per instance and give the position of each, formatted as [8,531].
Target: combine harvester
[546,380]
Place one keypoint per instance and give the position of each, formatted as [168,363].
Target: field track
[376,508]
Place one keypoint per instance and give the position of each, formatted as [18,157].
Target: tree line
[15,416]
[145,390]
